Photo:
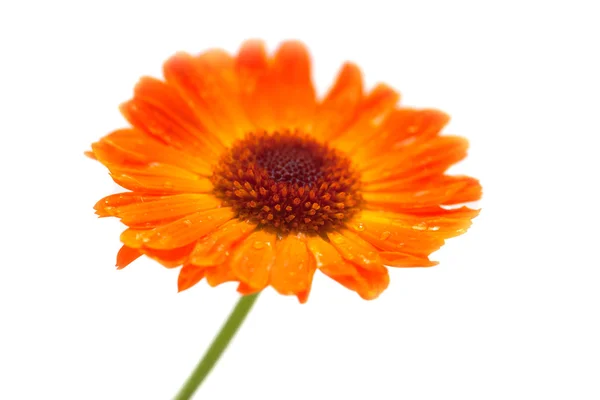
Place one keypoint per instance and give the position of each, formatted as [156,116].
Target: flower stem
[217,347]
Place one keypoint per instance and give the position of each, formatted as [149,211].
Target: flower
[237,172]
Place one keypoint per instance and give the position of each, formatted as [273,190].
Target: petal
[402,237]
[189,275]
[294,267]
[219,274]
[170,258]
[373,108]
[108,206]
[398,259]
[352,248]
[217,245]
[368,284]
[444,190]
[256,92]
[178,233]
[164,209]
[401,127]
[209,85]
[130,148]
[252,260]
[160,179]
[277,93]
[417,160]
[295,95]
[246,290]
[159,110]
[340,105]
[126,256]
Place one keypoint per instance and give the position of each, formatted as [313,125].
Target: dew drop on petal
[359,227]
[385,235]
[421,226]
[338,239]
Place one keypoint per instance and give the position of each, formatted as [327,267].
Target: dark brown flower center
[289,182]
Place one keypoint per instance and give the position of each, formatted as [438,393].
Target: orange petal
[126,256]
[398,259]
[217,245]
[245,290]
[339,107]
[178,233]
[400,128]
[256,92]
[401,236]
[209,84]
[368,284]
[445,190]
[131,148]
[295,95]
[354,249]
[418,160]
[252,260]
[189,275]
[170,258]
[294,267]
[373,108]
[160,111]
[108,206]
[160,179]
[164,209]
[219,274]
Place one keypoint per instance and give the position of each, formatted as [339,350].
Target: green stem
[219,344]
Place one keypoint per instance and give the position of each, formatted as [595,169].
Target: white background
[512,312]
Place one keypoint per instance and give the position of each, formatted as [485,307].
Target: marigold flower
[237,172]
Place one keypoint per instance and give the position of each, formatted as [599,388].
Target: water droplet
[421,226]
[258,245]
[434,228]
[339,239]
[145,239]
[385,235]
[187,222]
[359,227]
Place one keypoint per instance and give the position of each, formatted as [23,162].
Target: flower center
[289,182]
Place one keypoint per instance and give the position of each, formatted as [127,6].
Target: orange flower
[239,173]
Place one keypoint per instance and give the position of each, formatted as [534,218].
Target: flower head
[237,172]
